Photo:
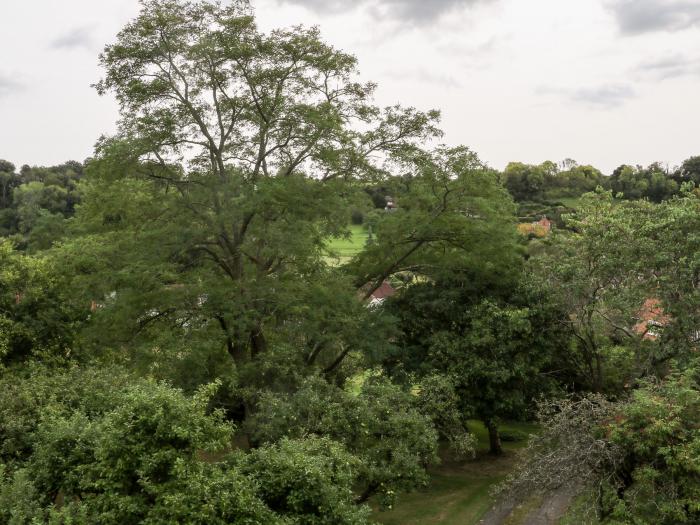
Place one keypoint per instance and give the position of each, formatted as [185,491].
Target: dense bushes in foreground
[142,452]
[637,460]
[179,344]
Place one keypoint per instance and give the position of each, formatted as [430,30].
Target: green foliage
[215,203]
[652,183]
[621,257]
[438,399]
[357,217]
[35,203]
[657,481]
[667,258]
[495,353]
[25,394]
[202,252]
[96,446]
[381,427]
[547,182]
[594,274]
[490,360]
[310,480]
[20,502]
[689,171]
[450,205]
[635,460]
[35,318]
[134,459]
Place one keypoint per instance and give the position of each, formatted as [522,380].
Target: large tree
[627,276]
[240,150]
[37,319]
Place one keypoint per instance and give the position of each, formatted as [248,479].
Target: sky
[603,82]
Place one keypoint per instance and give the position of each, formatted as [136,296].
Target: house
[390,204]
[538,229]
[651,318]
[545,224]
[379,295]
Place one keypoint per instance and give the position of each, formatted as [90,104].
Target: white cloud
[79,37]
[641,16]
[668,67]
[604,96]
[413,11]
[9,85]
[479,62]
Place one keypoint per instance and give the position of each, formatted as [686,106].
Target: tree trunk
[236,349]
[598,379]
[258,341]
[495,447]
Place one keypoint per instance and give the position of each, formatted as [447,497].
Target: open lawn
[344,249]
[570,202]
[459,492]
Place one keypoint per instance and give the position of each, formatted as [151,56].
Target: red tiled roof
[545,223]
[381,293]
[650,314]
[384,291]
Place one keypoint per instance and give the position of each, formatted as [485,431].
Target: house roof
[650,314]
[384,291]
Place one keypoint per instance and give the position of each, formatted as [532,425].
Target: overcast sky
[604,82]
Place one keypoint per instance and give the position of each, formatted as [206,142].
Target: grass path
[459,492]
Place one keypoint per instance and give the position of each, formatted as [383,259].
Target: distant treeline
[550,182]
[35,202]
[552,190]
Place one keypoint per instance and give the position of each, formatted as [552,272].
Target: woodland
[182,341]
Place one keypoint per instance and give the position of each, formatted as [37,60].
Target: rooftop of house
[379,295]
[651,315]
[384,291]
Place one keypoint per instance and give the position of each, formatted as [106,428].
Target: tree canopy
[182,340]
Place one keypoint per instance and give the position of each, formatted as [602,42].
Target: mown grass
[570,202]
[459,492]
[344,249]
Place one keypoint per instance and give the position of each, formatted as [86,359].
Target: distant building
[545,224]
[380,295]
[390,204]
[539,229]
[652,319]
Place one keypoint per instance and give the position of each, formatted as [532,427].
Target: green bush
[115,450]
[381,426]
[310,479]
[26,393]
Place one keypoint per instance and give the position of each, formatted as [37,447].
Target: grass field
[570,202]
[459,492]
[344,249]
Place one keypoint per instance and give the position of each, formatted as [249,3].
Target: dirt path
[552,509]
[547,511]
[498,514]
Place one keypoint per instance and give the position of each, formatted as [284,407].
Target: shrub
[381,426]
[308,479]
